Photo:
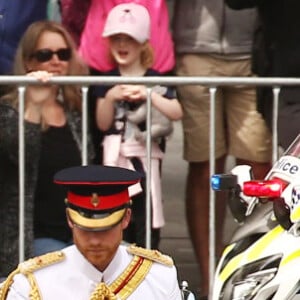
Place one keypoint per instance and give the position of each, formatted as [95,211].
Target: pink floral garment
[73,16]
[93,48]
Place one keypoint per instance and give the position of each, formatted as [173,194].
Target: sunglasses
[43,55]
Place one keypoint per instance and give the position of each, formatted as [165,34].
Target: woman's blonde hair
[27,46]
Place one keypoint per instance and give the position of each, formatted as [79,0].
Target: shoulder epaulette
[153,255]
[27,268]
[33,264]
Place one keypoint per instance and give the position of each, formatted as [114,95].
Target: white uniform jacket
[75,278]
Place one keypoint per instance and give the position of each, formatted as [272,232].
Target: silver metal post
[84,156]
[276,91]
[148,175]
[212,201]
[21,96]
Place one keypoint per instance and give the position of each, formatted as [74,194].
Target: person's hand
[128,92]
[134,93]
[115,93]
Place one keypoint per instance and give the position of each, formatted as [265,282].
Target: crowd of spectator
[204,38]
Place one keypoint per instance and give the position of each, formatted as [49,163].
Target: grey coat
[209,26]
[9,184]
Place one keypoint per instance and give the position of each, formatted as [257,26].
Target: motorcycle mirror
[243,172]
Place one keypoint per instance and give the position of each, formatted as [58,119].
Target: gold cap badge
[95,200]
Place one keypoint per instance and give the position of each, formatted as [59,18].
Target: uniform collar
[117,265]
[84,267]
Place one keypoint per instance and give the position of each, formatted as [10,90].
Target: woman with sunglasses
[52,142]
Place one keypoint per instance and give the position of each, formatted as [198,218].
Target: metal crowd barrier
[85,81]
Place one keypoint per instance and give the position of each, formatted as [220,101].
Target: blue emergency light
[221,182]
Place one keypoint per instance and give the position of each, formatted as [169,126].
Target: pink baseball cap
[128,18]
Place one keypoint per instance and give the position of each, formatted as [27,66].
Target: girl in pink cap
[127,30]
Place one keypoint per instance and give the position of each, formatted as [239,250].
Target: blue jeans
[45,245]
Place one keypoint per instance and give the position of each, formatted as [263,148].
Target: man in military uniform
[98,265]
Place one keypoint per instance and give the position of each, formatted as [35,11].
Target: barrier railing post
[148,176]
[21,98]
[84,155]
[212,202]
[276,91]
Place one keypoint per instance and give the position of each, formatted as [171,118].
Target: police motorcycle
[262,260]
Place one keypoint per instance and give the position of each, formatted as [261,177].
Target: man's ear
[70,223]
[126,218]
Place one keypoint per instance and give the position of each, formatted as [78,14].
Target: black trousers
[136,231]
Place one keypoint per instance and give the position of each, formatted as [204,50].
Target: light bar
[263,189]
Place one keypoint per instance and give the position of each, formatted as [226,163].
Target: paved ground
[175,240]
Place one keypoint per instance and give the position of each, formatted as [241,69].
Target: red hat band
[99,202]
